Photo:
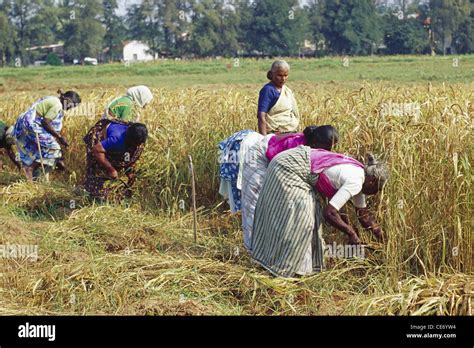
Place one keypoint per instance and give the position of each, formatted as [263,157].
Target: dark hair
[323,134]
[69,99]
[137,133]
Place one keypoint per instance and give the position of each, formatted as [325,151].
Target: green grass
[397,69]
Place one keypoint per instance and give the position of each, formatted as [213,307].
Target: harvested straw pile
[442,294]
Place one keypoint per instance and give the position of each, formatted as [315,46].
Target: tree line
[231,28]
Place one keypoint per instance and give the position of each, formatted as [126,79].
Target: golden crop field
[139,257]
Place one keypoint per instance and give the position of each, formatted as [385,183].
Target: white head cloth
[141,95]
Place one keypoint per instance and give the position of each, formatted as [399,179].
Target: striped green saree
[287,232]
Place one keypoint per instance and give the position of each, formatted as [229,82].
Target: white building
[137,51]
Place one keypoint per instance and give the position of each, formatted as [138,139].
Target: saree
[28,132]
[284,142]
[284,116]
[253,176]
[287,233]
[229,162]
[96,175]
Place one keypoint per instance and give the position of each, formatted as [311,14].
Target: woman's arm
[331,215]
[262,123]
[131,175]
[46,124]
[344,216]
[99,153]
[368,222]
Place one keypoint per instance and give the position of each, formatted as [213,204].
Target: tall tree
[45,24]
[405,36]
[316,20]
[7,39]
[279,27]
[244,10]
[143,23]
[115,30]
[22,13]
[175,25]
[349,26]
[83,32]
[448,18]
[463,38]
[215,29]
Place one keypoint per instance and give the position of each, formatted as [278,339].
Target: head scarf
[141,95]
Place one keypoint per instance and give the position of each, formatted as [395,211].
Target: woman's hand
[368,222]
[332,216]
[62,141]
[61,166]
[377,231]
[99,154]
[131,177]
[353,237]
[112,173]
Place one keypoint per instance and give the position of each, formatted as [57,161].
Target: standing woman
[38,133]
[287,235]
[260,155]
[277,107]
[126,108]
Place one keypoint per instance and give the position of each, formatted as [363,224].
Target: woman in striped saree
[260,155]
[287,235]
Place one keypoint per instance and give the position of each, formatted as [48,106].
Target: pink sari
[280,143]
[321,159]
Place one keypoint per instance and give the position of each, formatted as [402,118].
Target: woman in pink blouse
[287,235]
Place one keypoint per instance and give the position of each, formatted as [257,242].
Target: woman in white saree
[277,107]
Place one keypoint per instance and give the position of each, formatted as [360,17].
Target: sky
[123,4]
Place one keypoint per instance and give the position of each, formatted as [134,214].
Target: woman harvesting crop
[38,133]
[287,238]
[126,108]
[112,147]
[260,155]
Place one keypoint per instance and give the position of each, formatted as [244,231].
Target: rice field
[139,257]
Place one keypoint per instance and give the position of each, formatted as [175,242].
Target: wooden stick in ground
[41,155]
[193,186]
